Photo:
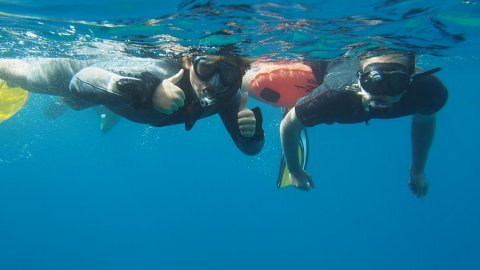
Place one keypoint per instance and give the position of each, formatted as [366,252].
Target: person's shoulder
[341,75]
[429,85]
[430,92]
[327,99]
[346,64]
[427,80]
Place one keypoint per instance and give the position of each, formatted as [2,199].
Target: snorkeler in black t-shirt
[384,87]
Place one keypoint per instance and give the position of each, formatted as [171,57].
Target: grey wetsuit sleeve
[98,83]
[98,86]
[229,115]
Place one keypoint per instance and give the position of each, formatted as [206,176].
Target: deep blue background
[146,198]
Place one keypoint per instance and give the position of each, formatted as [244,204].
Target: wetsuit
[85,83]
[337,99]
[97,84]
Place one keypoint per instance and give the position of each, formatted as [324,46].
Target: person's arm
[423,131]
[100,86]
[239,124]
[290,129]
[104,87]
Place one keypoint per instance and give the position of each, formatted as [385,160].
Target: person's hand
[418,184]
[168,97]
[246,118]
[302,180]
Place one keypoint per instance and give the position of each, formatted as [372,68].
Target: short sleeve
[431,94]
[330,106]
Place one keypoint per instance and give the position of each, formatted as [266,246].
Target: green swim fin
[283,179]
[12,100]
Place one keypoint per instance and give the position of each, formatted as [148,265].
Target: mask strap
[365,97]
[426,73]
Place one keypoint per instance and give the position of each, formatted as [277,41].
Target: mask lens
[229,74]
[384,83]
[397,83]
[204,69]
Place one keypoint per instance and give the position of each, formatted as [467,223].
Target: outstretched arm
[103,87]
[423,131]
[290,129]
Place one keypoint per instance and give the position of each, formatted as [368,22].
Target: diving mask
[206,68]
[388,79]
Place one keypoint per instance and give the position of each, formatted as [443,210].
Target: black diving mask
[230,76]
[206,68]
[389,79]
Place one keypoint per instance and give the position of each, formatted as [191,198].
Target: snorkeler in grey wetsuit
[149,91]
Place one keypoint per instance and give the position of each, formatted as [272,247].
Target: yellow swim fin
[283,179]
[11,100]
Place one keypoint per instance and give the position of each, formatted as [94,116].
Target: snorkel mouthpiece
[206,101]
[197,107]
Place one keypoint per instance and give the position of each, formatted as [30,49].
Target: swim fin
[108,119]
[283,179]
[54,109]
[12,100]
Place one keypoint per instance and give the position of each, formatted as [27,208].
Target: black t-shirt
[426,95]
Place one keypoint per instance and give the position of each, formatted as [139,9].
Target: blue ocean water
[162,198]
